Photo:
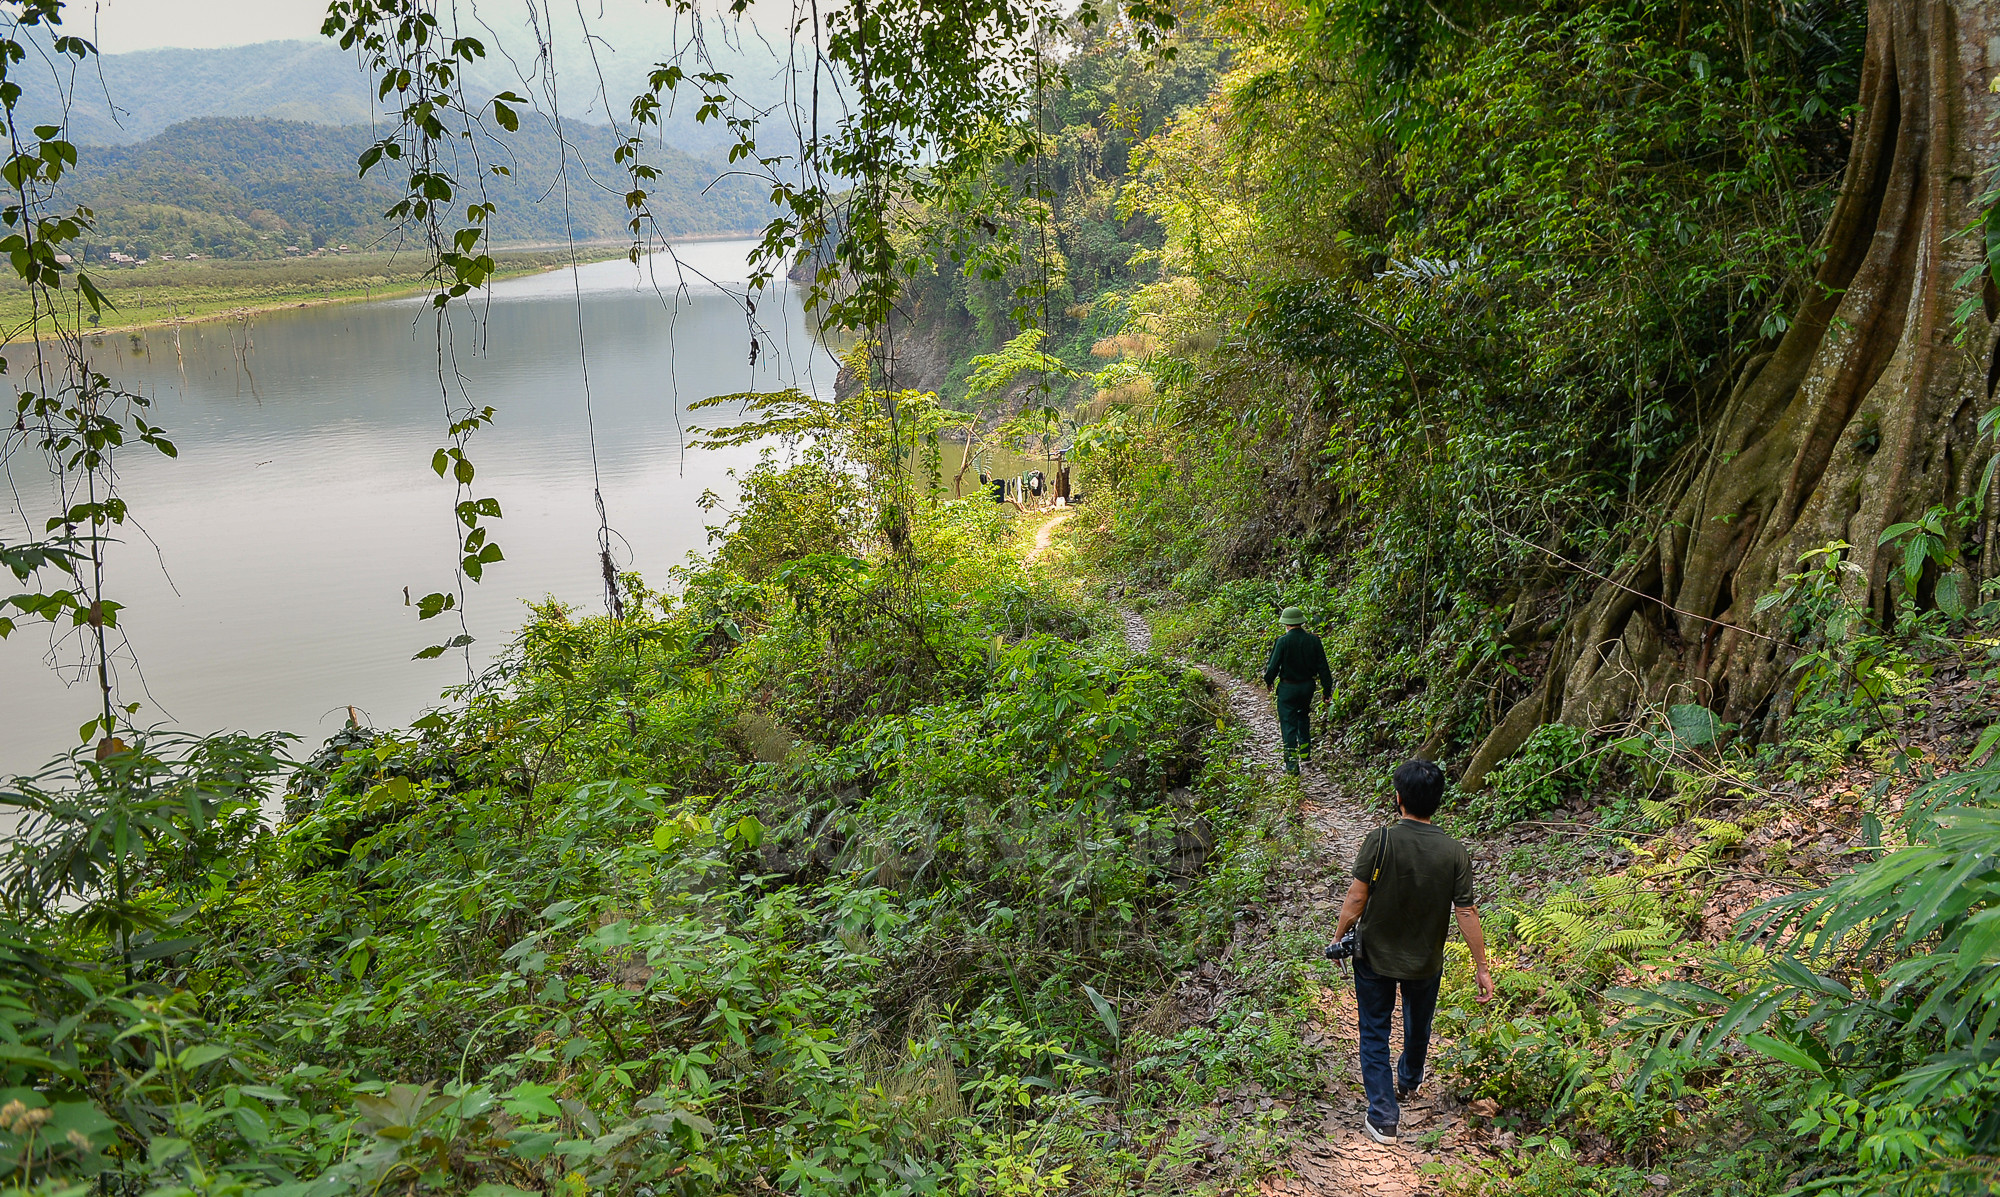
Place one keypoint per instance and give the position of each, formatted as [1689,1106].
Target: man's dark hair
[1420,786]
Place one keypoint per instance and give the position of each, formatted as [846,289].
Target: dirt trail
[1046,533]
[1333,1156]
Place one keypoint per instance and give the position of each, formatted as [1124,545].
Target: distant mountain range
[119,99]
[243,152]
[234,187]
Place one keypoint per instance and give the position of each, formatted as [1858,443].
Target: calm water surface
[267,591]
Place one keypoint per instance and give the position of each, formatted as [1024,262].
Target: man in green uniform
[1298,662]
[1410,881]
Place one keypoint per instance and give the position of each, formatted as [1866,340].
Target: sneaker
[1377,1133]
[1405,1091]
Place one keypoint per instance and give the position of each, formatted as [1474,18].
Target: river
[265,576]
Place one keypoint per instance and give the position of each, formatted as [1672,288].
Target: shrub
[1557,763]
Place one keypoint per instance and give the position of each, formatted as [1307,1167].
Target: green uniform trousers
[1295,721]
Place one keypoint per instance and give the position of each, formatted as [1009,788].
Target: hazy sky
[125,25]
[149,24]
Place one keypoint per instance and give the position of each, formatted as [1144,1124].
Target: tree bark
[1864,413]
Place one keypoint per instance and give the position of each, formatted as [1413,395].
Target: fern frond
[1659,814]
[1565,1003]
[1632,939]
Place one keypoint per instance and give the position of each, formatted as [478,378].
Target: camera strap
[1381,846]
[1375,875]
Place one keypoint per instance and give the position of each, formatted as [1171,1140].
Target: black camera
[1347,947]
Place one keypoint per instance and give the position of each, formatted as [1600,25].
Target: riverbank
[162,293]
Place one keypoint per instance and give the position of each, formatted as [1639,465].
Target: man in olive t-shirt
[1408,880]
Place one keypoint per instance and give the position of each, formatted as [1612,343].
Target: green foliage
[1880,987]
[1102,96]
[1557,762]
[996,371]
[1463,292]
[1260,1046]
[810,507]
[789,877]
[1941,1143]
[1610,918]
[1233,622]
[99,829]
[1843,1044]
[1861,683]
[847,866]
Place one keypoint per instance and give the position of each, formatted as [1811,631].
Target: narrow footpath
[1333,1157]
[1046,534]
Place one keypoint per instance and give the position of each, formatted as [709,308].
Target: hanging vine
[900,112]
[67,415]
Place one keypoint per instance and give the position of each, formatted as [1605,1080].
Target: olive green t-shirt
[1424,873]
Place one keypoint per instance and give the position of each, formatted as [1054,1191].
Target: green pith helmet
[1292,617]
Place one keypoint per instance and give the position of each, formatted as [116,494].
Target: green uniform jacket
[1299,657]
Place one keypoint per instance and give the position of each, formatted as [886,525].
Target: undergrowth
[692,901]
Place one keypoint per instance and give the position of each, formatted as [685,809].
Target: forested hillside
[1613,388]
[251,188]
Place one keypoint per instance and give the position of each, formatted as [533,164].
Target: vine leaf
[438,650]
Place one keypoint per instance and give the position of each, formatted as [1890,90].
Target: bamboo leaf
[1785,1053]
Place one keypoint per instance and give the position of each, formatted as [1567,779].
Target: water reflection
[267,589]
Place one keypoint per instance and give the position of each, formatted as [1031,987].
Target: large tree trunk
[1863,415]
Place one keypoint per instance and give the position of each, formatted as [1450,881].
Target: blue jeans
[1375,1003]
